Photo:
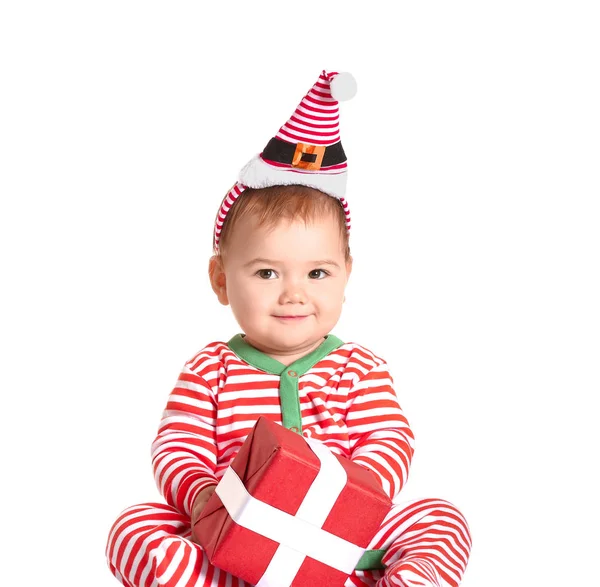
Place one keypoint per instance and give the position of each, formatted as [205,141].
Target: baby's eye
[319,271]
[262,272]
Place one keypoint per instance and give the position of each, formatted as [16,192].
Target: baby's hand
[198,506]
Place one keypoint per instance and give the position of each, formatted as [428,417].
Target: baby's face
[292,270]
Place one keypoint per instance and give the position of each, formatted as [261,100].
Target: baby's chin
[286,337]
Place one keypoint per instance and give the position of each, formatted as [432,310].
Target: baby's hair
[291,202]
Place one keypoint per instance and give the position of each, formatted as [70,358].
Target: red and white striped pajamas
[343,396]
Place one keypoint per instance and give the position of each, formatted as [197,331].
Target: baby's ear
[218,280]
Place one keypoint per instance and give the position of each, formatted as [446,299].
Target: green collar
[258,359]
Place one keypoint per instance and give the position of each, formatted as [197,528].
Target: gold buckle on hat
[308,156]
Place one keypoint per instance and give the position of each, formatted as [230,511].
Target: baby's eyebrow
[273,262]
[325,262]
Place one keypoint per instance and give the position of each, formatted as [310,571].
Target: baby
[282,261]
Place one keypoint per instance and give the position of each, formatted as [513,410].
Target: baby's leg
[427,543]
[149,546]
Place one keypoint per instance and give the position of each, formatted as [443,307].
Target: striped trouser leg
[427,543]
[149,546]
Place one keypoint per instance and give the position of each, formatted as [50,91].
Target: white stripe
[314,509]
[190,401]
[315,102]
[319,122]
[249,410]
[307,129]
[191,386]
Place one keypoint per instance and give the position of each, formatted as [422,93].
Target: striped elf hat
[306,151]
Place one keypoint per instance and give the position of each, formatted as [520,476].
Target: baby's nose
[295,294]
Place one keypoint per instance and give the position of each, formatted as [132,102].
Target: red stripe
[335,119]
[311,125]
[301,132]
[330,113]
[164,565]
[323,95]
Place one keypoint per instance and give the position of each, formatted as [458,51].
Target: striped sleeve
[184,453]
[380,437]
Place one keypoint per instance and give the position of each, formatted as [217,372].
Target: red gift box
[312,513]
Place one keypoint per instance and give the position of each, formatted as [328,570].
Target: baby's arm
[380,437]
[184,453]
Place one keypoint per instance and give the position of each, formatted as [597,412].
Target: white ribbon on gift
[298,536]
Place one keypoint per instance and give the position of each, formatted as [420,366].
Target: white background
[473,146]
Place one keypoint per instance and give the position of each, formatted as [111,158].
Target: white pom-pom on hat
[343,86]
